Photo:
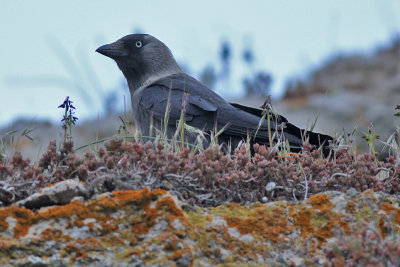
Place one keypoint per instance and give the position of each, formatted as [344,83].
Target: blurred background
[337,62]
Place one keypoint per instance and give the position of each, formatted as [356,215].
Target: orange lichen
[3,223]
[25,218]
[144,221]
[51,185]
[66,211]
[90,225]
[72,249]
[321,202]
[274,228]
[397,217]
[142,208]
[351,207]
[387,207]
[54,234]
[344,225]
[78,222]
[20,229]
[143,196]
[302,220]
[167,204]
[383,227]
[368,193]
[107,227]
[325,231]
[21,215]
[106,203]
[319,220]
[90,243]
[179,253]
[390,210]
[174,246]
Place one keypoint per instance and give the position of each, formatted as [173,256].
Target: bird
[160,89]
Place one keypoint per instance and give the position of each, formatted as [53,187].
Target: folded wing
[204,109]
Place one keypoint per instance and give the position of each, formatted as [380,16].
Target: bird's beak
[112,50]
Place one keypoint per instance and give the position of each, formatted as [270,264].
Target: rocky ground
[153,228]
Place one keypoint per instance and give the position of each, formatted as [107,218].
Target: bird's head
[141,58]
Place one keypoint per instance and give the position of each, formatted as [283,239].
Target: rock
[136,228]
[56,194]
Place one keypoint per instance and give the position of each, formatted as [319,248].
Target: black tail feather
[317,140]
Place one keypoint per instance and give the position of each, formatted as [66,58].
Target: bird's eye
[138,44]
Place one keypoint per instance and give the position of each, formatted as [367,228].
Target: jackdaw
[157,84]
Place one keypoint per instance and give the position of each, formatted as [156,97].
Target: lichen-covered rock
[135,228]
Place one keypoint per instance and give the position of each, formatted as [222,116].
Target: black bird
[155,81]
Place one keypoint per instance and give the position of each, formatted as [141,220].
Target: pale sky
[288,37]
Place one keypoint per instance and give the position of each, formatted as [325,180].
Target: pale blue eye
[138,44]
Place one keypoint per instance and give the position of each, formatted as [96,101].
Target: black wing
[206,110]
[199,112]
